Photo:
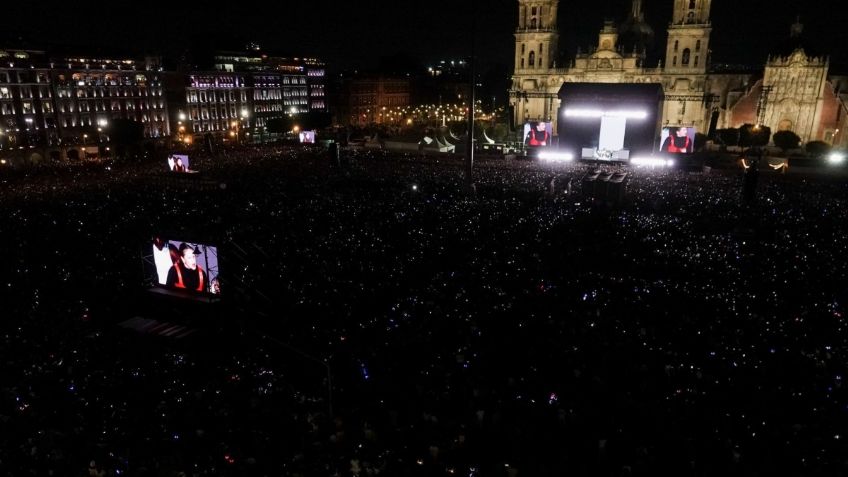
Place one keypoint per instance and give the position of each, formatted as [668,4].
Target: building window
[691,4]
[532,60]
[522,63]
[674,61]
[685,60]
[676,45]
[696,60]
[698,45]
[690,18]
[533,22]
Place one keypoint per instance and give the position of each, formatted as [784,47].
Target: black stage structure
[609,121]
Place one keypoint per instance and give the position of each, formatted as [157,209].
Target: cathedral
[793,92]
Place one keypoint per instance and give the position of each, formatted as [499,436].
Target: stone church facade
[794,93]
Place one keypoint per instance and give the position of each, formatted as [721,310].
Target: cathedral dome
[635,34]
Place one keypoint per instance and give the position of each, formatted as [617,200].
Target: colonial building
[27,108]
[72,100]
[212,102]
[373,99]
[244,91]
[795,92]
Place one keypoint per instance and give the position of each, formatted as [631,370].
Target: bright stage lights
[652,162]
[556,156]
[836,158]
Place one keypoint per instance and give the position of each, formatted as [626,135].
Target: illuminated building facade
[370,100]
[216,102]
[71,101]
[27,108]
[277,86]
[796,93]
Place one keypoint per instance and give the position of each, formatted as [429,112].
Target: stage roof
[606,92]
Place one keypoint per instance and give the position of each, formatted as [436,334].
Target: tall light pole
[469,151]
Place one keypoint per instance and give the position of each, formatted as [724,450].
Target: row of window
[74,121]
[217,82]
[288,93]
[25,92]
[106,93]
[113,106]
[684,60]
[223,112]
[211,125]
[269,108]
[265,94]
[24,77]
[677,45]
[202,96]
[531,58]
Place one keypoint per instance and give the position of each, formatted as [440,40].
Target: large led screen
[178,163]
[307,137]
[186,266]
[537,134]
[678,140]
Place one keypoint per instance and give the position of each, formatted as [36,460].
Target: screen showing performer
[678,140]
[307,137]
[537,134]
[178,163]
[188,266]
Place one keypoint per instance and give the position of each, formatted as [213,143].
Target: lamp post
[469,151]
[243,117]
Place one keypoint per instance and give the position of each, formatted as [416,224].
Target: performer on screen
[179,166]
[678,141]
[186,273]
[538,135]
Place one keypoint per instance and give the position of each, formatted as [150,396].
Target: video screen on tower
[537,134]
[186,266]
[178,163]
[678,140]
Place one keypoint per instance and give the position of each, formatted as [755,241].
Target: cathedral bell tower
[689,37]
[536,38]
[533,92]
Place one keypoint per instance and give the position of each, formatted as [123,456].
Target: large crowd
[377,318]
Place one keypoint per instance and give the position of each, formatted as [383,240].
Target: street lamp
[244,115]
[235,132]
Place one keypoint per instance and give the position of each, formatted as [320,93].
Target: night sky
[358,34]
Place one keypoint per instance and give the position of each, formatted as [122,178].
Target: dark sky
[357,34]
